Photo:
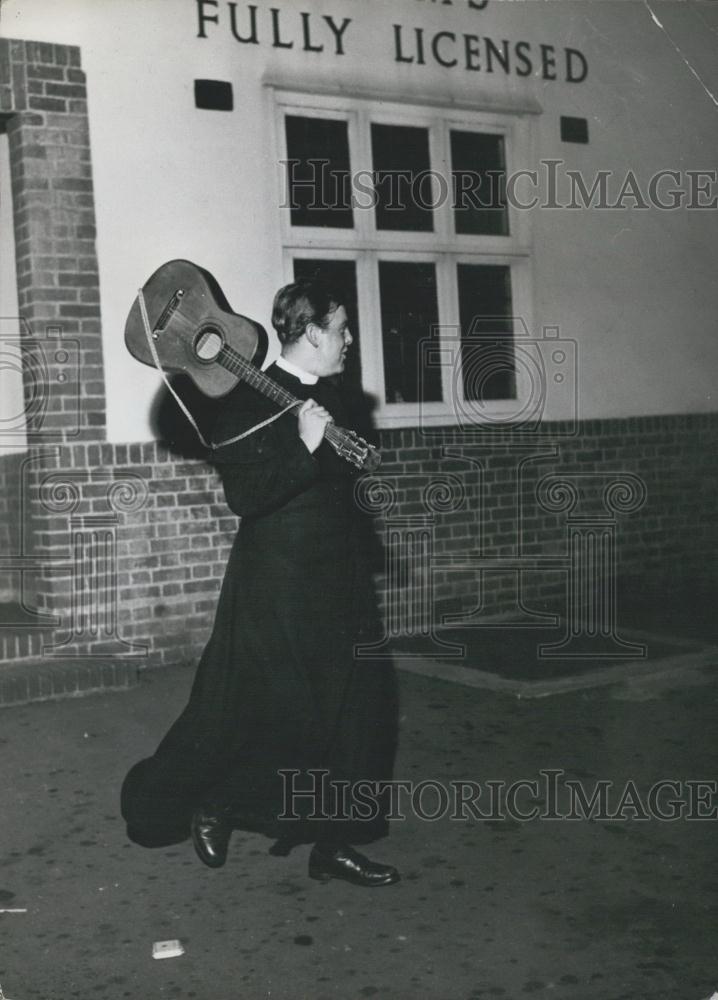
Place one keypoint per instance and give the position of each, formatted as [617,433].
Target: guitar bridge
[168,312]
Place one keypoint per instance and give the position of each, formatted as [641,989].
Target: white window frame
[366,245]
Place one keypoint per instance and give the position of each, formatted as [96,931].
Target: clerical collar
[306,378]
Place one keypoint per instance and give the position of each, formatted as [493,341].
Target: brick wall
[128,549]
[43,100]
[43,109]
[130,543]
[501,507]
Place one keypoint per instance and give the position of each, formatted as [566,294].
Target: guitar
[193,330]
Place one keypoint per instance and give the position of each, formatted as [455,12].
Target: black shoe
[211,831]
[338,861]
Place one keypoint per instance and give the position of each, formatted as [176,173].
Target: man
[279,698]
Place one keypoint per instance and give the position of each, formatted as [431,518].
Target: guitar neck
[249,373]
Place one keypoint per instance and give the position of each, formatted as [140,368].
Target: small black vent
[213,95]
[574,129]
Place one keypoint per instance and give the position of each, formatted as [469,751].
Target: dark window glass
[487,345]
[318,172]
[341,276]
[478,169]
[409,312]
[402,181]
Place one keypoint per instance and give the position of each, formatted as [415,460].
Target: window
[409,308]
[405,210]
[320,196]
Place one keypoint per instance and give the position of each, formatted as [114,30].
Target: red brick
[65,90]
[46,104]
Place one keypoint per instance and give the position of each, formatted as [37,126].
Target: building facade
[518,202]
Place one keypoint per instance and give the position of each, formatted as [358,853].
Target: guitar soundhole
[208,344]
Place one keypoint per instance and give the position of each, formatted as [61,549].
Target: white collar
[306,378]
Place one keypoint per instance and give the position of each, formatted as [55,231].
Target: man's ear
[312,332]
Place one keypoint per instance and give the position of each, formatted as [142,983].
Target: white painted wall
[636,289]
[12,416]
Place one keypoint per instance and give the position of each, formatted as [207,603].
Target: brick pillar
[43,106]
[9,524]
[44,102]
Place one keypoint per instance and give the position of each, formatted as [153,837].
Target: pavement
[618,904]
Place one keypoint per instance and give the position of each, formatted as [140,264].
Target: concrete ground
[583,909]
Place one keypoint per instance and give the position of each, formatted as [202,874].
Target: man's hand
[313,420]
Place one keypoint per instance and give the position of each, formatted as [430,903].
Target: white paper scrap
[167,949]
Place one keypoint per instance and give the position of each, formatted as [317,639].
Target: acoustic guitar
[193,330]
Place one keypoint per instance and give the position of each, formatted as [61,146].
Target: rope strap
[257,427]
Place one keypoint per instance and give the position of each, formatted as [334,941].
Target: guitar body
[190,321]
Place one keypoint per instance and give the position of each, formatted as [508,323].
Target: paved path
[582,910]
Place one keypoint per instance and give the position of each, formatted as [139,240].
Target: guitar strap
[180,403]
[257,427]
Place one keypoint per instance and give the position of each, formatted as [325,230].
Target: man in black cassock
[280,702]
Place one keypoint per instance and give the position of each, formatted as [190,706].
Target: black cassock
[279,686]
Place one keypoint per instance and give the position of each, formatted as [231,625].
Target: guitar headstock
[359,452]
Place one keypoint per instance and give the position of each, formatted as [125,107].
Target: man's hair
[301,303]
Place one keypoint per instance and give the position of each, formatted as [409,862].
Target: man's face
[333,343]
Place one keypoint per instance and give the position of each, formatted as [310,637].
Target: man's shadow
[171,427]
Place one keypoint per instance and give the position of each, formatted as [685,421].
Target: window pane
[409,312]
[318,179]
[401,178]
[487,344]
[341,276]
[479,184]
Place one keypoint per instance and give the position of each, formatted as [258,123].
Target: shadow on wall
[171,427]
